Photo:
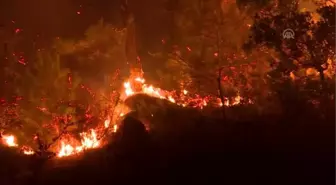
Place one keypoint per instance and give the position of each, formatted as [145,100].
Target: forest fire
[89,140]
[183,99]
[111,91]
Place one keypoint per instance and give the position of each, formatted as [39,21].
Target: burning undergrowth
[55,111]
[70,120]
[73,136]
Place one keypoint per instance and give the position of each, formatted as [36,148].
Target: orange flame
[27,150]
[184,101]
[89,139]
[9,140]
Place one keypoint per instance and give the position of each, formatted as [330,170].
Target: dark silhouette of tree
[312,44]
[326,26]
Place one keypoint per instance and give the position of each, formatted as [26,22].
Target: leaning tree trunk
[221,94]
[172,6]
[320,69]
[130,47]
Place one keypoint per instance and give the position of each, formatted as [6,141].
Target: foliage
[45,94]
[253,6]
[96,57]
[208,36]
[310,48]
[211,35]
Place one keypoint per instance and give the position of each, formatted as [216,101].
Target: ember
[89,140]
[152,90]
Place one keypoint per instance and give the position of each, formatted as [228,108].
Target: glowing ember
[196,101]
[89,140]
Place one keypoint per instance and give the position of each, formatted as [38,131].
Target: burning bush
[52,107]
[72,97]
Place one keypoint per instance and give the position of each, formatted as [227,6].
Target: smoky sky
[54,17]
[70,18]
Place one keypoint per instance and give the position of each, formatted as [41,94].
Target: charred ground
[265,150]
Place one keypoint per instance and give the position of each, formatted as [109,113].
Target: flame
[185,99]
[115,128]
[129,91]
[27,150]
[9,140]
[107,123]
[66,150]
[89,140]
[185,92]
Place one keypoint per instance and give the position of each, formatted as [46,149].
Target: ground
[266,150]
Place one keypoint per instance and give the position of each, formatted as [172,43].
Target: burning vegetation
[68,145]
[68,101]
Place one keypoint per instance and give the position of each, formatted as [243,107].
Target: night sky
[54,17]
[70,18]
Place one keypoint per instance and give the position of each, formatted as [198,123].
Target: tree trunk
[218,26]
[321,70]
[130,46]
[173,30]
[221,94]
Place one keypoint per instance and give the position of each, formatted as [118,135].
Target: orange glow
[9,140]
[27,150]
[89,140]
[172,97]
